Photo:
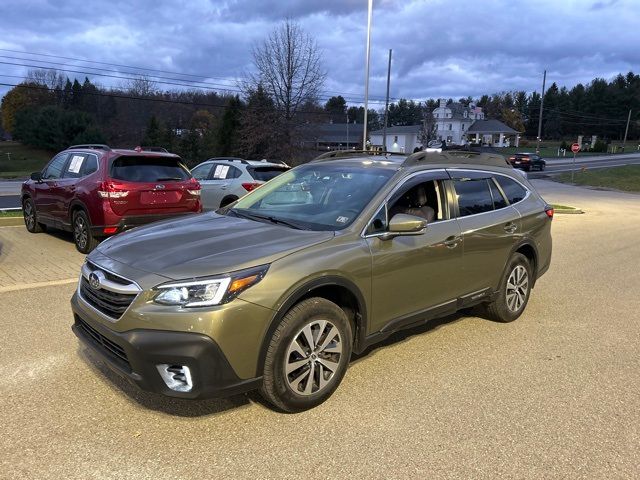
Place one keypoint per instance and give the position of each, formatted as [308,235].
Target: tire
[542,166]
[82,236]
[510,302]
[329,331]
[31,216]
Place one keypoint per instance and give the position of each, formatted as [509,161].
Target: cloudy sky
[441,48]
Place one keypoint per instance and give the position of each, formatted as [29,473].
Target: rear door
[217,186]
[46,191]
[150,184]
[489,226]
[66,186]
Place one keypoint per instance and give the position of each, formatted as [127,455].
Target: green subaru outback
[276,290]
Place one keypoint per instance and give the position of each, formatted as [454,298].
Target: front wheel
[308,355]
[514,290]
[82,236]
[30,216]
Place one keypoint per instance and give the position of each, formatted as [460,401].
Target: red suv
[95,191]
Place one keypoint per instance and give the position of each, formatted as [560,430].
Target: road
[560,165]
[555,394]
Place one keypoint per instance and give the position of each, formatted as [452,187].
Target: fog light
[177,377]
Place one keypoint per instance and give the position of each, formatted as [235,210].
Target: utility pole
[366,79]
[544,80]
[386,106]
[347,130]
[626,131]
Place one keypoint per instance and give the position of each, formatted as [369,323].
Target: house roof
[490,126]
[399,130]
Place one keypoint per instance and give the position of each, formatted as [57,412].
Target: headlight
[209,291]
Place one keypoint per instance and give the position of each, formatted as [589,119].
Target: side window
[234,172]
[421,198]
[221,172]
[90,165]
[512,189]
[54,169]
[75,165]
[498,199]
[202,172]
[474,196]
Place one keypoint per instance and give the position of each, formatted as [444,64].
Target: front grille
[104,344]
[110,303]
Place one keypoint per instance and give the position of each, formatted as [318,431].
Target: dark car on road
[527,161]
[276,290]
[95,191]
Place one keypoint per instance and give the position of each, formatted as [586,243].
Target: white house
[399,139]
[453,121]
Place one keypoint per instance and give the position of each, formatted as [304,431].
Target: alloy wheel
[313,357]
[517,288]
[29,216]
[80,233]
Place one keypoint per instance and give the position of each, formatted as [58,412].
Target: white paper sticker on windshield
[76,163]
[223,173]
[342,219]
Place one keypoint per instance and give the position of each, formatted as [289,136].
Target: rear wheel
[31,216]
[542,166]
[227,201]
[308,355]
[513,292]
[82,236]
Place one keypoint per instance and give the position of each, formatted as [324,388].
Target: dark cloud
[440,48]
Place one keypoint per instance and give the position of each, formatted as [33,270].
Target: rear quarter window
[148,169]
[512,189]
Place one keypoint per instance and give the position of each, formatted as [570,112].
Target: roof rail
[92,146]
[335,154]
[227,159]
[456,156]
[152,149]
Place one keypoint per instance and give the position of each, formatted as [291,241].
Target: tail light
[250,186]
[109,190]
[194,188]
[549,211]
[525,159]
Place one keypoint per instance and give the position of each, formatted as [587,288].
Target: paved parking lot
[555,394]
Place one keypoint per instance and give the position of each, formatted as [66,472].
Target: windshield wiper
[253,216]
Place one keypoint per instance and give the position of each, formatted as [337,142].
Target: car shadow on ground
[200,408]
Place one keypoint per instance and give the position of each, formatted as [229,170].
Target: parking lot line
[25,286]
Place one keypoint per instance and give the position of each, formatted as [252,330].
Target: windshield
[315,196]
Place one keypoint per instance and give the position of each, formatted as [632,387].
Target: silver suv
[224,180]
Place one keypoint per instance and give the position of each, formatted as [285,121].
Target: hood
[205,244]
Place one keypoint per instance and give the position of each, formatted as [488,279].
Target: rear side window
[474,196]
[264,174]
[148,169]
[498,199]
[90,165]
[512,189]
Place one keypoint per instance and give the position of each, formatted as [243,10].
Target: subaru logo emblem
[95,280]
[160,187]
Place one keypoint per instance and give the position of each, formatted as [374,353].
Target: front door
[414,276]
[46,191]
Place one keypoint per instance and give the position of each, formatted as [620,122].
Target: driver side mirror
[403,224]
[36,176]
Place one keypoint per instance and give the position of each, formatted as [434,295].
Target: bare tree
[289,67]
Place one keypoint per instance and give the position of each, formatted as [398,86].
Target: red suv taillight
[194,188]
[549,211]
[250,186]
[109,190]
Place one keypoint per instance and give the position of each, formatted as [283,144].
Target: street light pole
[626,131]
[366,78]
[544,80]
[386,106]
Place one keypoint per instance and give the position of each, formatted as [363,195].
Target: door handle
[510,227]
[452,241]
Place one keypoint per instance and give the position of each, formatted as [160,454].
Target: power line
[143,69]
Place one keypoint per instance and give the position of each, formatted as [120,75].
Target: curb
[11,221]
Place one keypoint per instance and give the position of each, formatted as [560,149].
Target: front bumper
[134,354]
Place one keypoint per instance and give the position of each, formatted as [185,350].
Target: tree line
[270,114]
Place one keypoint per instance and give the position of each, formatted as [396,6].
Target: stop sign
[575,148]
